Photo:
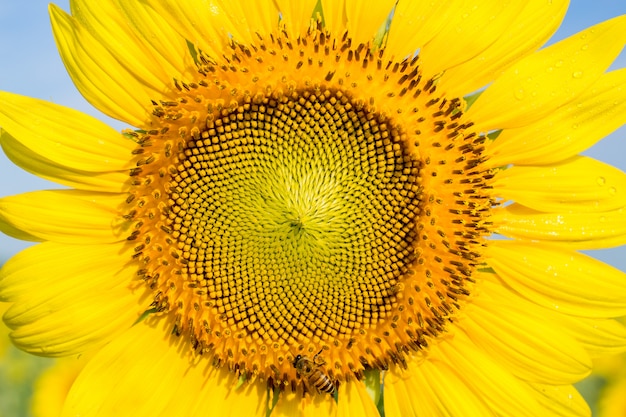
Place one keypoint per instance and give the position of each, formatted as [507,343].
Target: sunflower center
[297,216]
[331,216]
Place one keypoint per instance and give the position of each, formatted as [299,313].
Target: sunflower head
[286,205]
[304,210]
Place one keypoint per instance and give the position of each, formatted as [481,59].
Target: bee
[312,373]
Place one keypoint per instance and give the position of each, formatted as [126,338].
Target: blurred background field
[18,373]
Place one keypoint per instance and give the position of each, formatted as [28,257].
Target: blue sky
[31,66]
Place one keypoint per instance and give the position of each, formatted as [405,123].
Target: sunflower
[321,208]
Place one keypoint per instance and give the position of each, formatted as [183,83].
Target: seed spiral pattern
[300,219]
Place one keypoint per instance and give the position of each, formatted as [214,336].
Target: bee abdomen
[322,382]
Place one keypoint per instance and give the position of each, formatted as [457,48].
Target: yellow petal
[16,233]
[320,405]
[579,184]
[416,23]
[247,19]
[335,19]
[517,334]
[152,49]
[574,230]
[559,279]
[532,27]
[489,380]
[457,379]
[289,404]
[398,401]
[117,37]
[68,299]
[596,336]
[355,401]
[99,76]
[574,127]
[195,386]
[201,23]
[562,401]
[216,390]
[599,337]
[296,15]
[209,25]
[26,158]
[471,30]
[364,19]
[64,136]
[293,404]
[134,375]
[41,271]
[250,401]
[431,388]
[66,216]
[169,47]
[142,373]
[257,17]
[98,320]
[540,83]
[361,19]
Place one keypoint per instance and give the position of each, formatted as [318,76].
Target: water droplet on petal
[601,181]
[577,74]
[558,63]
[612,191]
[520,94]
